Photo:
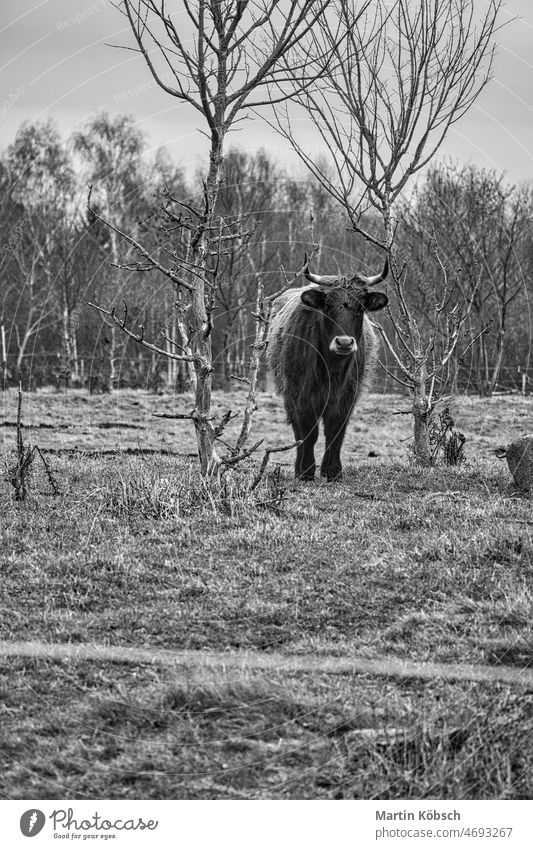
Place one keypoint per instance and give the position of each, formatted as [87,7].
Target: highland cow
[322,351]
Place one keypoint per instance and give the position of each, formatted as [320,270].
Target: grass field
[393,561]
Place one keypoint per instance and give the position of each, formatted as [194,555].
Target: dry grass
[124,421]
[393,560]
[93,730]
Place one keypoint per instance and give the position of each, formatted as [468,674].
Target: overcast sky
[55,64]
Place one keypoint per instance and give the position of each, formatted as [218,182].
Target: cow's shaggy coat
[322,352]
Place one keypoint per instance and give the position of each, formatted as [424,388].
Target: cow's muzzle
[343,345]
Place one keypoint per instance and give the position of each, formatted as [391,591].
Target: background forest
[463,222]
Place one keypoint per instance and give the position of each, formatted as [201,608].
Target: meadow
[394,562]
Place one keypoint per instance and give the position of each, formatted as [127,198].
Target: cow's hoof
[305,476]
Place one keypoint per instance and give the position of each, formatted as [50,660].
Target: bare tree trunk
[190,370]
[75,360]
[422,415]
[422,407]
[30,324]
[454,385]
[172,365]
[499,359]
[227,361]
[486,369]
[241,346]
[22,347]
[70,345]
[112,380]
[201,343]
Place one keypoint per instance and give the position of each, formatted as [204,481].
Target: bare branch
[174,415]
[266,457]
[233,459]
[139,338]
[176,279]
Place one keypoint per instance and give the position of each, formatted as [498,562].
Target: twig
[18,474]
[51,479]
[266,458]
[173,415]
[226,418]
[243,455]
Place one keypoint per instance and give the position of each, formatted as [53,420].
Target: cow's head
[342,303]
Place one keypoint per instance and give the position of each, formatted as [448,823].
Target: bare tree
[401,75]
[111,149]
[34,302]
[43,184]
[483,226]
[227,59]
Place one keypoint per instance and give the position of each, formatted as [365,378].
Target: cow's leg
[334,430]
[305,429]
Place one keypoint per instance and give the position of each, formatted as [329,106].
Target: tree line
[56,257]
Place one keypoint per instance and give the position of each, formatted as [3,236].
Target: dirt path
[205,660]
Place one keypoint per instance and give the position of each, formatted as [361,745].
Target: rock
[519,456]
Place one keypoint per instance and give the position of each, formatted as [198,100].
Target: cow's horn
[371,281]
[319,279]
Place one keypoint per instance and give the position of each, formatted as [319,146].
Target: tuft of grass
[152,496]
[430,759]
[234,702]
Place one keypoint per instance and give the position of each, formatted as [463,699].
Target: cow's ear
[313,298]
[373,301]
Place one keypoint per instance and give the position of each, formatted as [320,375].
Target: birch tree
[43,184]
[111,150]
